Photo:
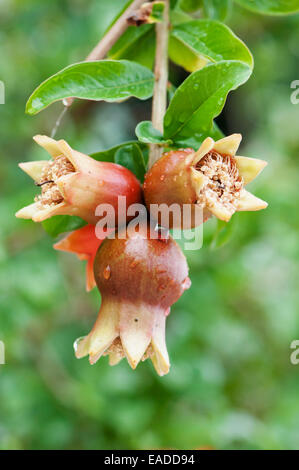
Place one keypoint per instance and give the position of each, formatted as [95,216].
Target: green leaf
[216,132]
[147,134]
[271,7]
[107,80]
[222,234]
[197,42]
[195,141]
[121,11]
[217,9]
[179,17]
[200,99]
[190,5]
[156,15]
[109,154]
[136,44]
[131,157]
[170,91]
[62,223]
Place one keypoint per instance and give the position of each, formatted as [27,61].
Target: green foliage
[136,44]
[156,15]
[107,80]
[271,7]
[147,134]
[109,154]
[131,157]
[190,5]
[179,17]
[200,99]
[217,9]
[195,43]
[231,384]
[61,224]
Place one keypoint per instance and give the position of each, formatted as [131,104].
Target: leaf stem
[161,80]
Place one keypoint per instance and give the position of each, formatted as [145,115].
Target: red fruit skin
[100,183]
[169,181]
[140,270]
[172,170]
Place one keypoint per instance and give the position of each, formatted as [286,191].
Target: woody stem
[161,79]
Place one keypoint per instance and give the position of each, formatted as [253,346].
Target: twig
[105,44]
[161,80]
[114,33]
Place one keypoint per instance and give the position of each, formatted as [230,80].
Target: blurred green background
[231,384]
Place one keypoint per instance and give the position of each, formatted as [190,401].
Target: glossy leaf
[137,44]
[200,99]
[217,9]
[156,15]
[190,5]
[62,223]
[109,154]
[147,134]
[271,7]
[179,17]
[107,80]
[197,139]
[131,157]
[197,42]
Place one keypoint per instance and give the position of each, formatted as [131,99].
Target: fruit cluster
[139,276]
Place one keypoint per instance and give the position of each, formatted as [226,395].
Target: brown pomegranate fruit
[139,279]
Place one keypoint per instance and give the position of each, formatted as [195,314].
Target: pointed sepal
[249,168]
[205,148]
[228,145]
[249,202]
[34,169]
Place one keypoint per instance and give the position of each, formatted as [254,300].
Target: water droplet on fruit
[186,283]
[162,233]
[77,341]
[107,272]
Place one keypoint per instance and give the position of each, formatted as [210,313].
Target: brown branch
[110,38]
[161,79]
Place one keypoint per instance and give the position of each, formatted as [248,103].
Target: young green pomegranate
[139,278]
